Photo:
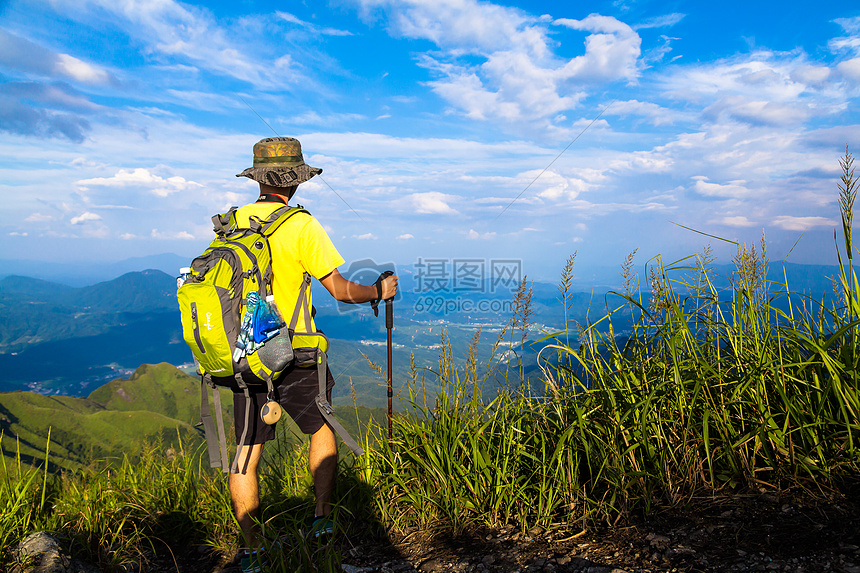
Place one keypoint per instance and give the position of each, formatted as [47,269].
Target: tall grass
[755,387]
[23,495]
[115,514]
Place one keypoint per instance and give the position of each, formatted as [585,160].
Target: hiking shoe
[253,561]
[322,526]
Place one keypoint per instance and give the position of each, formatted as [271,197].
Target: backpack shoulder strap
[278,217]
[302,302]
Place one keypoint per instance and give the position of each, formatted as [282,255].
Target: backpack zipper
[196,327]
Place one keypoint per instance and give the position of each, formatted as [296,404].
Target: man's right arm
[347,291]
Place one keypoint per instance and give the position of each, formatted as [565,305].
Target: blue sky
[123,124]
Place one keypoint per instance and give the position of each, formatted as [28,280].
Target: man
[299,246]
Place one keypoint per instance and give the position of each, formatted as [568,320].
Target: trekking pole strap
[216,443]
[208,427]
[326,408]
[234,469]
[374,304]
[222,438]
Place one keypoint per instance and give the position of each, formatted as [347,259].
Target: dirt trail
[755,532]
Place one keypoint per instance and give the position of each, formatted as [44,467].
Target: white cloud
[790,223]
[180,32]
[657,115]
[22,54]
[810,74]
[850,25]
[38,218]
[431,203]
[287,17]
[763,88]
[611,52]
[475,235]
[850,68]
[84,217]
[665,21]
[734,189]
[182,235]
[406,236]
[81,71]
[141,177]
[514,74]
[199,100]
[851,43]
[18,234]
[555,186]
[758,112]
[458,24]
[365,237]
[333,119]
[736,221]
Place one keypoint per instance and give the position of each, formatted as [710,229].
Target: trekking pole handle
[374,304]
[389,303]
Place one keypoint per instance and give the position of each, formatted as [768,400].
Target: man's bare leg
[322,461]
[245,495]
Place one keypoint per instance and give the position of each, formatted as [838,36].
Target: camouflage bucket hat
[278,162]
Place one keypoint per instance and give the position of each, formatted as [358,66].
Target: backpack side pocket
[205,309]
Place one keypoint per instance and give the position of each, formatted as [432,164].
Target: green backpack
[212,299]
[212,302]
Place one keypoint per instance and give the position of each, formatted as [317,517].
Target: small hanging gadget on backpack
[271,411]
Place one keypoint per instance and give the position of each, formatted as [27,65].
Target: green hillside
[155,388]
[156,401]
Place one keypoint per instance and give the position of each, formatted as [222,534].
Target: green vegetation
[713,390]
[113,421]
[157,402]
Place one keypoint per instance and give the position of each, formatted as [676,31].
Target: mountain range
[77,274]
[64,340]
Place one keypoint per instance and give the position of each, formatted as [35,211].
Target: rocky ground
[753,532]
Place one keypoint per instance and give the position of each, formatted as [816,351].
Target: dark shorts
[296,390]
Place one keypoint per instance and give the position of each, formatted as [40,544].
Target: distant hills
[77,274]
[36,311]
[57,339]
[64,340]
[157,402]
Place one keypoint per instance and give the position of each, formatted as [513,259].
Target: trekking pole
[389,326]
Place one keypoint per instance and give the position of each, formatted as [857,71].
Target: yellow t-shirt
[300,245]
